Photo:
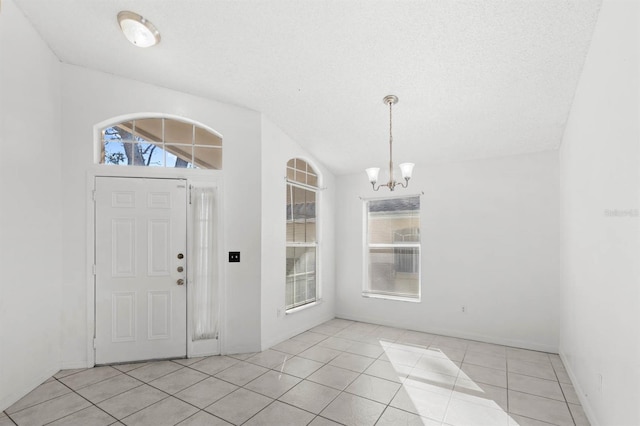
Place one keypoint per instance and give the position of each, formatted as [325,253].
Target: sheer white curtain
[204,282]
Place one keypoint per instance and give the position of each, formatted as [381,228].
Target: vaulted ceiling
[475,78]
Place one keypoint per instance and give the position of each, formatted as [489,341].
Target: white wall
[489,241]
[600,326]
[90,97]
[277,149]
[30,210]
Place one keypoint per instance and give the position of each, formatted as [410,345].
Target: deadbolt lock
[180,256]
[180,269]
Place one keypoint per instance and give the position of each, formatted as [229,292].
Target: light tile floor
[341,372]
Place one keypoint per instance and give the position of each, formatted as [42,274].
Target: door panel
[159,308]
[123,249]
[123,317]
[140,232]
[159,252]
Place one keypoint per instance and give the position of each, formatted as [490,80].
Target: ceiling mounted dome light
[405,168]
[138,30]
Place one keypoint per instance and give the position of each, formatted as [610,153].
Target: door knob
[180,281]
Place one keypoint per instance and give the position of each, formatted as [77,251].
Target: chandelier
[405,168]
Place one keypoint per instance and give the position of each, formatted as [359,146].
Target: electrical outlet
[234,256]
[463,309]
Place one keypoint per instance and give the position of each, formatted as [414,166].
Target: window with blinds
[392,249]
[302,241]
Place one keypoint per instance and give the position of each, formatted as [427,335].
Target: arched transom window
[302,239]
[161,142]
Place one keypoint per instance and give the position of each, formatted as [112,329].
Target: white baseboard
[460,334]
[284,336]
[73,365]
[240,349]
[586,405]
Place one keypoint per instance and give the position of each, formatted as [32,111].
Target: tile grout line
[208,376]
[386,406]
[316,415]
[43,402]
[289,356]
[303,379]
[342,390]
[446,410]
[92,404]
[241,387]
[234,384]
[563,394]
[363,397]
[507,373]
[10,419]
[276,399]
[390,401]
[99,408]
[168,395]
[123,392]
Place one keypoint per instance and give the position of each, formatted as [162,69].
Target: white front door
[140,235]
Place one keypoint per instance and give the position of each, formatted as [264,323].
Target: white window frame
[100,127]
[316,244]
[366,291]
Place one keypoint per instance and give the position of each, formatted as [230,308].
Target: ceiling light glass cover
[138,30]
[405,168]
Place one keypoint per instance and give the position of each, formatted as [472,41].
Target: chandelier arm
[405,184]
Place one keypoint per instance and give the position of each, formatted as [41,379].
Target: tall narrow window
[302,241]
[203,279]
[393,248]
[160,142]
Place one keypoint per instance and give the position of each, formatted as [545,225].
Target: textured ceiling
[475,78]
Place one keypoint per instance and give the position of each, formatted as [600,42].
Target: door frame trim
[208,177]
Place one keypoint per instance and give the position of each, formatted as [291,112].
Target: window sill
[303,307]
[389,297]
